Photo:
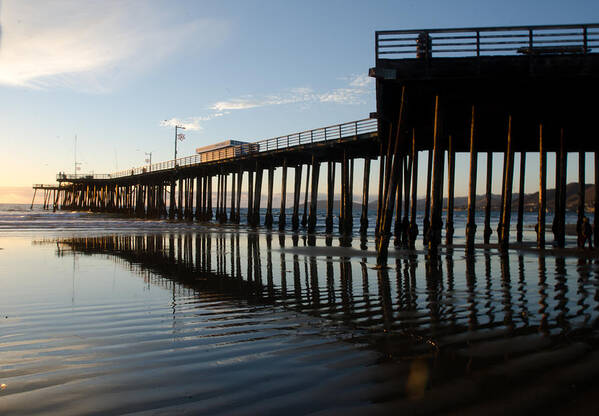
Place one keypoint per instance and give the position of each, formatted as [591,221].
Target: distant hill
[531,201]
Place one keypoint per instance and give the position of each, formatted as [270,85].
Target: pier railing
[323,134]
[484,41]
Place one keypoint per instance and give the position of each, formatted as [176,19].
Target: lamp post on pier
[178,136]
[149,160]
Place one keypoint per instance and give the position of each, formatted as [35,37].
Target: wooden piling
[471,222]
[561,204]
[209,198]
[390,189]
[268,216]
[426,222]
[596,210]
[257,195]
[542,191]
[233,199]
[509,179]
[282,213]
[180,200]
[250,214]
[449,230]
[305,214]
[365,186]
[330,196]
[296,198]
[239,188]
[520,224]
[407,176]
[314,195]
[488,199]
[581,196]
[397,229]
[434,238]
[172,205]
[413,228]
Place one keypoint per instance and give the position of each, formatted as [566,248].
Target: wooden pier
[507,90]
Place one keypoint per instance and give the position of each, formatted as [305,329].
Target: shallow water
[115,316]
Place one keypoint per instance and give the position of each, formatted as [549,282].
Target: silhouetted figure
[586,233]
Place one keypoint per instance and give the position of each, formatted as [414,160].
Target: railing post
[477,43]
[339,130]
[325,134]
[356,128]
[584,39]
[530,40]
[311,136]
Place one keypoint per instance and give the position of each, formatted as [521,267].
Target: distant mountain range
[531,201]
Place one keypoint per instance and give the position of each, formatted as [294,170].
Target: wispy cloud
[358,88]
[191,123]
[90,45]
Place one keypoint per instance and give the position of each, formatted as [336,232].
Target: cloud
[191,123]
[91,45]
[359,87]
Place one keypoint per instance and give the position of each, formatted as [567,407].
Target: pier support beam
[314,195]
[268,217]
[413,230]
[560,202]
[509,179]
[365,187]
[390,187]
[596,210]
[426,222]
[434,238]
[296,197]
[305,214]
[250,213]
[471,222]
[282,213]
[542,191]
[581,196]
[330,196]
[239,188]
[520,224]
[488,199]
[450,192]
[257,195]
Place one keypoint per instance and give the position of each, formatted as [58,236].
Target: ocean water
[110,315]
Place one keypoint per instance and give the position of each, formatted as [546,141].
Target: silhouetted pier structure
[483,90]
[501,90]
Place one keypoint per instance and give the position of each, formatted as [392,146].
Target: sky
[111,78]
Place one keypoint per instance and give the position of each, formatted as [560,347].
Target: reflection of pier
[419,305]
[482,90]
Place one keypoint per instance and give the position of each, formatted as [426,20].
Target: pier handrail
[322,134]
[487,41]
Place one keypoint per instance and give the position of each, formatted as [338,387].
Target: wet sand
[215,321]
